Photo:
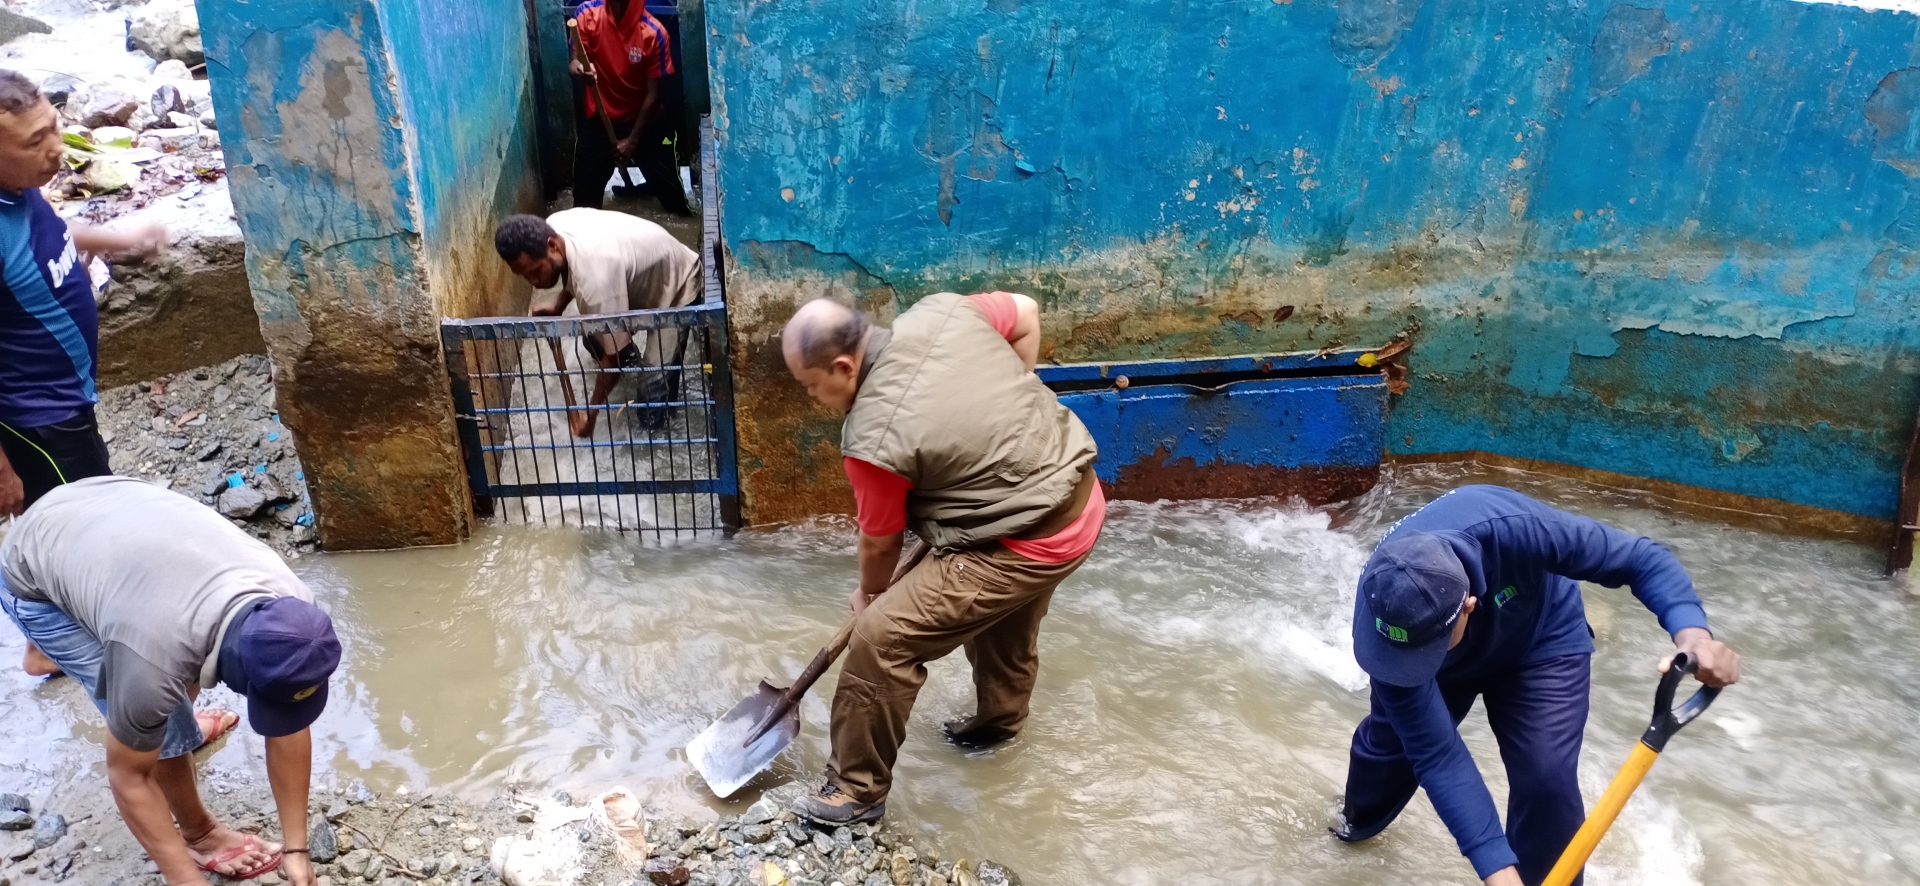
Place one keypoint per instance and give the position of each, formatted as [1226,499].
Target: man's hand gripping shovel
[1666,722]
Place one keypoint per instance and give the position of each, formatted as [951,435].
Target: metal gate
[660,456]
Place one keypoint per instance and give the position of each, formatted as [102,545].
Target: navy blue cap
[1411,593]
[283,651]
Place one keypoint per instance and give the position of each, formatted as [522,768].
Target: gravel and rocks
[361,838]
[213,435]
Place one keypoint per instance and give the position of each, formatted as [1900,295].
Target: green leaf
[78,142]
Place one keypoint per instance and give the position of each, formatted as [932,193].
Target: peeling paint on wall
[1569,205]
[370,149]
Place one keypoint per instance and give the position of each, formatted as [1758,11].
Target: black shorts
[50,455]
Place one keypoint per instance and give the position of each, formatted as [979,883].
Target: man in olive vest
[948,432]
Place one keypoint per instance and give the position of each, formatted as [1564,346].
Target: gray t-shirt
[154,575]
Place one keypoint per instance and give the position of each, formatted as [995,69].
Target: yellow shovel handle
[1624,781]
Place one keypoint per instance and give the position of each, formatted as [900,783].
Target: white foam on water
[619,450]
[1660,849]
[1283,583]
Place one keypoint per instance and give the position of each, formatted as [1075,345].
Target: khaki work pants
[989,600]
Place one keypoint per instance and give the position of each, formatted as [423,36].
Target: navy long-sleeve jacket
[1524,561]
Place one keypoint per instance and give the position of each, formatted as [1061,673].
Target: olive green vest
[988,448]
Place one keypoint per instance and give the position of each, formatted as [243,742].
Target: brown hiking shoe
[831,805]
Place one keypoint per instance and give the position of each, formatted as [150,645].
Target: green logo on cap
[1397,635]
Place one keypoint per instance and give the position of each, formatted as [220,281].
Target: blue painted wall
[1668,240]
[371,146]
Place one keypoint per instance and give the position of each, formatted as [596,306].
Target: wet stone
[208,451]
[756,833]
[993,873]
[761,812]
[822,843]
[15,820]
[337,810]
[15,803]
[843,838]
[49,829]
[667,871]
[900,868]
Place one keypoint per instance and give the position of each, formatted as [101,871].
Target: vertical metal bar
[532,448]
[466,420]
[726,473]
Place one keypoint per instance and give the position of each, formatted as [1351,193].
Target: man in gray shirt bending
[145,597]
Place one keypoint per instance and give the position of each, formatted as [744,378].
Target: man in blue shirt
[1478,595]
[49,328]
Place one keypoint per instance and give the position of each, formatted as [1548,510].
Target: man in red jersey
[629,56]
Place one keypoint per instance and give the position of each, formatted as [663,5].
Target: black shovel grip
[1666,720]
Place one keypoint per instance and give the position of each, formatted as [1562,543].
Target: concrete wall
[1666,240]
[370,145]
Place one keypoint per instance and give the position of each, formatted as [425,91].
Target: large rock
[110,103]
[187,306]
[168,29]
[15,803]
[15,820]
[13,24]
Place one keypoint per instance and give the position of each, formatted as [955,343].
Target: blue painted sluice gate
[1307,425]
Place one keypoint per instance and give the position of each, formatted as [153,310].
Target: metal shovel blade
[721,753]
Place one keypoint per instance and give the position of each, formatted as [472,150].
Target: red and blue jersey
[625,54]
[49,327]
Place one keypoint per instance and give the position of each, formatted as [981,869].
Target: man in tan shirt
[605,262]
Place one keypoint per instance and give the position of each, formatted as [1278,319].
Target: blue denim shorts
[79,654]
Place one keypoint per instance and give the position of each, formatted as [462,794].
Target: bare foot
[37,664]
[230,853]
[214,723]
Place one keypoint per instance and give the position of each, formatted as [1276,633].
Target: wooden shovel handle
[824,658]
[840,640]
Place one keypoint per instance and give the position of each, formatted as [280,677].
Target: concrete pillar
[372,146]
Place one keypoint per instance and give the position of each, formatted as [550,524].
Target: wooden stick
[580,55]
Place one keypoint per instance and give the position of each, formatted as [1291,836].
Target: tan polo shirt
[618,262]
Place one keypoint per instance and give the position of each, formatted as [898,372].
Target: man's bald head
[822,330]
[823,345]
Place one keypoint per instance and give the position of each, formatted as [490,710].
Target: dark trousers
[1537,715]
[50,455]
[594,163]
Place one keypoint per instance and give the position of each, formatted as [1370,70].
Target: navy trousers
[1537,715]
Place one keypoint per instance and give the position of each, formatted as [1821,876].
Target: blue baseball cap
[280,659]
[1411,593]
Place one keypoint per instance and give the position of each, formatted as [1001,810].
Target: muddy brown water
[1191,723]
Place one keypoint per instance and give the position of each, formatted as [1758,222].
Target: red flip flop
[250,845]
[228,722]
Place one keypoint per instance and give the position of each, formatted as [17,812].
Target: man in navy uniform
[1478,595]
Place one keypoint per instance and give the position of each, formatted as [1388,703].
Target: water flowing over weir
[1194,706]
